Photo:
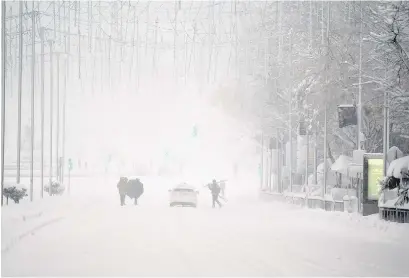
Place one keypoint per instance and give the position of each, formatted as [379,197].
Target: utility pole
[64,111]
[360,85]
[325,142]
[42,110]
[79,42]
[57,168]
[54,20]
[278,162]
[175,35]
[155,46]
[147,29]
[324,189]
[3,90]
[385,126]
[290,107]
[271,168]
[69,27]
[315,156]
[262,161]
[20,84]
[193,48]
[133,44]
[11,60]
[51,116]
[307,151]
[32,100]
[211,38]
[137,54]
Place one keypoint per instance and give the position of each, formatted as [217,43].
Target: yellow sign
[375,174]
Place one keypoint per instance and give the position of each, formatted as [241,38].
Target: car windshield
[183,190]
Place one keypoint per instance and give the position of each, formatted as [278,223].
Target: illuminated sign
[375,175]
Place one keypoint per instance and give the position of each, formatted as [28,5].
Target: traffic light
[347,115]
[70,164]
[194,133]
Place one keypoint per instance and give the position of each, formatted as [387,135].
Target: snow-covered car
[183,195]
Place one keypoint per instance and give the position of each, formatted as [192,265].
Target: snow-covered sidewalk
[19,221]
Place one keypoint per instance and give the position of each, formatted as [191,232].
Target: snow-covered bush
[56,188]
[397,177]
[16,192]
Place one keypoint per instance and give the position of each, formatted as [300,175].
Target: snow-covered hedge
[16,192]
[397,179]
[56,188]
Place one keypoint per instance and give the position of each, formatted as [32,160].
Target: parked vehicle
[183,195]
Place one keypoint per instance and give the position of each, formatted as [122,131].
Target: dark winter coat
[122,185]
[214,188]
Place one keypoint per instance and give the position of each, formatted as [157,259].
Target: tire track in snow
[17,240]
[32,231]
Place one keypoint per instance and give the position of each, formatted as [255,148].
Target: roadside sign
[372,174]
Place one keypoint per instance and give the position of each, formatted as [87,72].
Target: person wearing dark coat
[122,189]
[215,190]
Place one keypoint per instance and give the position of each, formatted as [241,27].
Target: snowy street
[124,122]
[246,237]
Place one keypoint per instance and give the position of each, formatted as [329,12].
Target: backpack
[215,188]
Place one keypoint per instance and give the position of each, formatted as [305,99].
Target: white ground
[89,234]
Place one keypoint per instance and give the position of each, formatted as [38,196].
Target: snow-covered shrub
[16,192]
[56,188]
[389,183]
[397,177]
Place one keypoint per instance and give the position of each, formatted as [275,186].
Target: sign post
[69,174]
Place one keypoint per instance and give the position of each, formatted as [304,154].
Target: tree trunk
[330,153]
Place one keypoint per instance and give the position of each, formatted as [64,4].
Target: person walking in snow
[215,190]
[122,189]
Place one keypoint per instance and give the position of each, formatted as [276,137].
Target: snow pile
[341,164]
[398,166]
[339,194]
[395,186]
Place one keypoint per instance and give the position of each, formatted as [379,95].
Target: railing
[394,214]
[313,202]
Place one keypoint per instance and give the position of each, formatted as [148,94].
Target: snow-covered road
[244,238]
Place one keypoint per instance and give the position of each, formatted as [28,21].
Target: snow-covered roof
[398,166]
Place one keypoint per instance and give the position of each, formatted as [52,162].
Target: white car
[183,195]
